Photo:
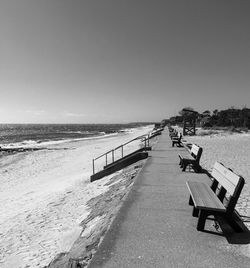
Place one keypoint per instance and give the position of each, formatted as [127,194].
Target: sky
[119,61]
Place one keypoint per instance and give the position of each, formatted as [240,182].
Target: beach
[79,80]
[56,214]
[44,195]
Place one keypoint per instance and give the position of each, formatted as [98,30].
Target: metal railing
[112,152]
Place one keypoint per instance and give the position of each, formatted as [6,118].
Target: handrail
[137,138]
[146,138]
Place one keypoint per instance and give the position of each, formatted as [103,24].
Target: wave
[42,136]
[78,132]
[47,143]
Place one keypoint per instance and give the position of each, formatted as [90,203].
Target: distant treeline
[224,118]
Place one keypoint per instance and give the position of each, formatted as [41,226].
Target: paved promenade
[155,227]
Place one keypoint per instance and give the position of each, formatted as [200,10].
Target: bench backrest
[230,183]
[196,152]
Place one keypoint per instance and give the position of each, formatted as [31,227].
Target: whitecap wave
[41,144]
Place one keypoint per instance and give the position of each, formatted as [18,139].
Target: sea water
[35,135]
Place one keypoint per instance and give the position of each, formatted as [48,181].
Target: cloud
[69,114]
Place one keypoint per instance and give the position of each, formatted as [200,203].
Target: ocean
[34,135]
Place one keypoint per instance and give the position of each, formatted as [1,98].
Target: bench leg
[195,212]
[197,168]
[236,227]
[190,202]
[201,220]
[184,165]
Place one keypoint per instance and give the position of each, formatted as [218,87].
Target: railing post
[93,162]
[122,151]
[145,142]
[113,157]
[106,159]
[148,140]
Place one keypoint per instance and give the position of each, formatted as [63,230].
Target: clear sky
[111,61]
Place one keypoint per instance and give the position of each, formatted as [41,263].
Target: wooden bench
[177,140]
[192,160]
[173,133]
[219,199]
[170,129]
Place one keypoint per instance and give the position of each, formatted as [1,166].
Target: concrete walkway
[155,227]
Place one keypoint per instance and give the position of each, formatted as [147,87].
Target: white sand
[43,198]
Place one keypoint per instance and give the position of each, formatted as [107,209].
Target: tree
[215,112]
[245,115]
[187,111]
[206,113]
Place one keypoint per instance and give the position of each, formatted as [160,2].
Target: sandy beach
[44,195]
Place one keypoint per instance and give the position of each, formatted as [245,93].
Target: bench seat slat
[204,198]
[187,157]
[195,149]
